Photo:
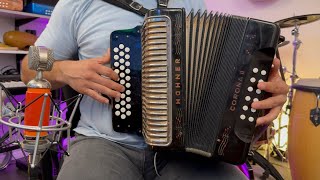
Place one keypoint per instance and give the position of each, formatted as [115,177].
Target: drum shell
[304,144]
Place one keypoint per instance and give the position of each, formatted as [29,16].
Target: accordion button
[116,71]
[121,53]
[122,75]
[245,108]
[128,99]
[121,46]
[258,91]
[121,60]
[128,106]
[128,78]
[128,85]
[127,49]
[116,57]
[122,67]
[128,113]
[127,56]
[123,103]
[117,99]
[123,96]
[253,110]
[251,119]
[243,117]
[127,63]
[255,70]
[261,80]
[123,110]
[248,98]
[255,99]
[253,80]
[117,113]
[123,116]
[122,82]
[115,49]
[250,89]
[128,92]
[116,64]
[263,72]
[128,71]
[117,106]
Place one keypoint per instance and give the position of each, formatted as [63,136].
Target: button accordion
[190,80]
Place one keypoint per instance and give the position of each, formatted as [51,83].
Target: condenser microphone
[40,59]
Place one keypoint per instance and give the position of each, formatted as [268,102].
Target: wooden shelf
[13,52]
[20,15]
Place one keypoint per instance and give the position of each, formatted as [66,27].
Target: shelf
[20,15]
[13,52]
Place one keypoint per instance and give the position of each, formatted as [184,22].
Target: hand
[85,76]
[278,88]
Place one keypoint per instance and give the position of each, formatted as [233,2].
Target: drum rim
[303,85]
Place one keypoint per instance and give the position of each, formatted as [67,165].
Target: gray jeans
[97,158]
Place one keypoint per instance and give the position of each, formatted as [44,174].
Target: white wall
[308,60]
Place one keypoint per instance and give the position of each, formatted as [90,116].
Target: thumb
[275,68]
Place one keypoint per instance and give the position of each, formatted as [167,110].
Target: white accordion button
[116,71]
[128,113]
[127,49]
[258,91]
[116,64]
[117,99]
[248,98]
[261,80]
[123,103]
[115,49]
[121,60]
[128,85]
[117,106]
[121,46]
[128,78]
[251,119]
[250,89]
[128,92]
[253,80]
[243,117]
[122,82]
[123,116]
[122,75]
[123,96]
[116,57]
[263,72]
[122,67]
[128,71]
[245,108]
[128,106]
[255,100]
[128,99]
[255,70]
[121,53]
[117,113]
[127,63]
[253,110]
[123,110]
[127,56]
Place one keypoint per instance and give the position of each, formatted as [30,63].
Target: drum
[304,132]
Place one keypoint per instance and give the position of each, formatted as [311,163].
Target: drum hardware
[295,22]
[315,113]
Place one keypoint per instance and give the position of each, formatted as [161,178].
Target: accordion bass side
[199,76]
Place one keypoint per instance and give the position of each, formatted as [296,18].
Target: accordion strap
[129,5]
[135,7]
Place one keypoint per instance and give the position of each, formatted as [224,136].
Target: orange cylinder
[33,111]
[304,144]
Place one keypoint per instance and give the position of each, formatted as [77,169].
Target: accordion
[190,80]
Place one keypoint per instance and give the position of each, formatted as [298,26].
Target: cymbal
[283,43]
[298,20]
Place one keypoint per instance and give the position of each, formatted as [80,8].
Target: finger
[270,102]
[105,58]
[103,89]
[107,72]
[268,118]
[274,87]
[95,95]
[106,82]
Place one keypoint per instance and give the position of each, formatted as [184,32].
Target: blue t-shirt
[81,29]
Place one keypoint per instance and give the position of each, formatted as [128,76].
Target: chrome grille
[156,84]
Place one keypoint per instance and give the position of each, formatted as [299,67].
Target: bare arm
[84,76]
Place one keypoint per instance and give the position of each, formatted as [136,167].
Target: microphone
[40,59]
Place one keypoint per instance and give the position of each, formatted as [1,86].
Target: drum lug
[315,113]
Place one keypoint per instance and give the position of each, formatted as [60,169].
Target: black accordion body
[195,78]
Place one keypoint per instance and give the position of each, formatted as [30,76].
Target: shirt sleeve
[59,34]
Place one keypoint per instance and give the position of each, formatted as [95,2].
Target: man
[81,29]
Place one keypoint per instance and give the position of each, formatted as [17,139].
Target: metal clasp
[315,113]
[135,6]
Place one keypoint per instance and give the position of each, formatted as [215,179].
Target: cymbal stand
[296,44]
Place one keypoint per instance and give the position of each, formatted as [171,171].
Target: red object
[33,111]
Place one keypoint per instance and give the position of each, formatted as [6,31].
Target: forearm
[54,76]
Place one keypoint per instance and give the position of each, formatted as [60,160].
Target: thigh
[96,158]
[203,170]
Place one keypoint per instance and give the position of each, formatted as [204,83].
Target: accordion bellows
[199,77]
